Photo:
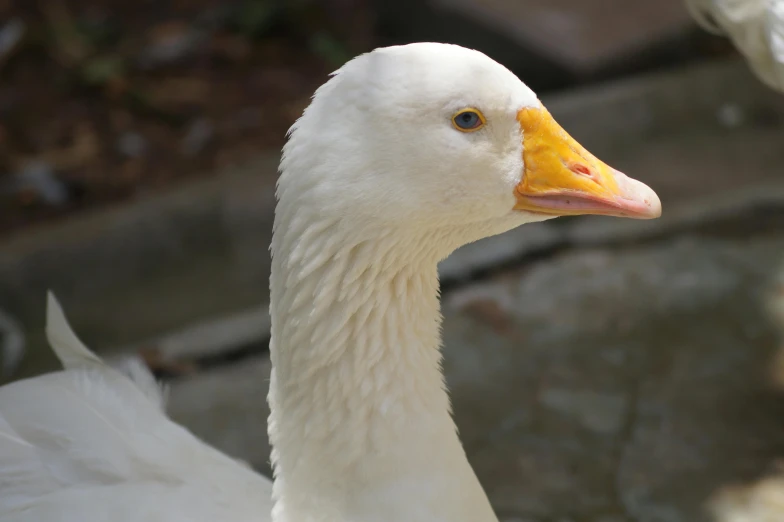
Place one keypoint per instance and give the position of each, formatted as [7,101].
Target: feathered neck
[360,422]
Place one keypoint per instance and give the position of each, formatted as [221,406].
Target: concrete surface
[622,385]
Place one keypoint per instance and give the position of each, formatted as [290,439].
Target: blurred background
[602,370]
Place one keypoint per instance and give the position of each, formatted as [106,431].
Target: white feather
[138,372]
[68,348]
[88,444]
[756,28]
[73,354]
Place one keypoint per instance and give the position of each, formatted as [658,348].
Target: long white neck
[360,424]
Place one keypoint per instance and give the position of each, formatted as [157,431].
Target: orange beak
[562,178]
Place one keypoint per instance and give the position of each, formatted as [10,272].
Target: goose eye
[468,120]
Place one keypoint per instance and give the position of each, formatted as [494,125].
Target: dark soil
[103,101]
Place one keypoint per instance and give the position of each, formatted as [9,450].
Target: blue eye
[468,120]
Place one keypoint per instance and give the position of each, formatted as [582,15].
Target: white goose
[756,28]
[404,155]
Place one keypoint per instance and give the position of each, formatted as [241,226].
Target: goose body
[756,28]
[92,444]
[403,155]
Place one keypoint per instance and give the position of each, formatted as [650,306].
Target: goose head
[432,137]
[405,154]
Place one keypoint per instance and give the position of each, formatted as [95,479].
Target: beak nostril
[579,168]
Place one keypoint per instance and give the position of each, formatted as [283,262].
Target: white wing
[90,444]
[756,27]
